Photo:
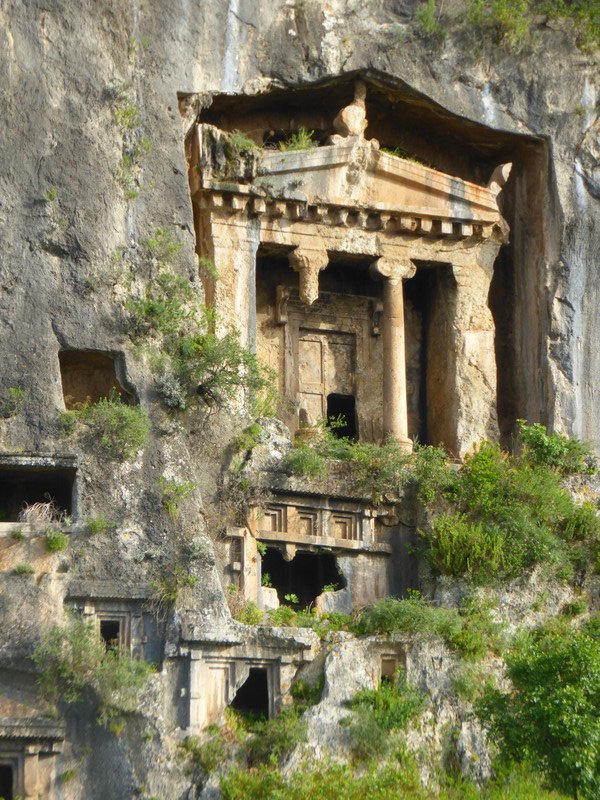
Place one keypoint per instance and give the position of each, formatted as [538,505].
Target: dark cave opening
[21,487]
[305,576]
[253,695]
[6,782]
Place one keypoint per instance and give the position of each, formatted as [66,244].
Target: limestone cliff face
[66,68]
[97,98]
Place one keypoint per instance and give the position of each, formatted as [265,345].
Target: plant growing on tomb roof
[303,139]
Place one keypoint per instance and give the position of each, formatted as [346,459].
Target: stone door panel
[326,364]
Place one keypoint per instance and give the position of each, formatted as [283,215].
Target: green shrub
[378,712]
[471,680]
[307,694]
[459,547]
[98,525]
[193,360]
[206,755]
[24,569]
[508,20]
[470,630]
[428,19]
[166,305]
[248,438]
[567,456]
[163,247]
[73,660]
[13,403]
[17,535]
[249,614]
[217,367]
[56,540]
[283,616]
[274,739]
[325,781]
[550,716]
[120,429]
[168,588]
[302,140]
[173,493]
[68,775]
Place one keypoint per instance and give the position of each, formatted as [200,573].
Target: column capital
[308,263]
[394,269]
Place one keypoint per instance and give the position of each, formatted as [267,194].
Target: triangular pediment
[361,176]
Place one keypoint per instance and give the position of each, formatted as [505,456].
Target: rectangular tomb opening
[303,578]
[49,490]
[88,376]
[7,781]
[252,698]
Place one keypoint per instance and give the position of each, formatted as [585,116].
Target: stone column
[31,776]
[308,263]
[395,414]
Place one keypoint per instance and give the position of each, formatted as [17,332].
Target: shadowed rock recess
[298,398]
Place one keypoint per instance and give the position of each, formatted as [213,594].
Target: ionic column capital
[394,269]
[308,263]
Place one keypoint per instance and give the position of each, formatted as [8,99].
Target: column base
[405,444]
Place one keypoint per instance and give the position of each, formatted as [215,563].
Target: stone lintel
[233,200]
[37,729]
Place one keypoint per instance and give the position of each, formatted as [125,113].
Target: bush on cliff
[551,715]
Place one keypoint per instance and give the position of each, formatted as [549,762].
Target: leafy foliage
[173,493]
[207,755]
[556,690]
[24,569]
[120,429]
[98,525]
[73,661]
[168,588]
[273,739]
[379,712]
[469,630]
[56,540]
[13,403]
[194,360]
[428,19]
[303,139]
[396,779]
[542,449]
[511,20]
[307,694]
[249,614]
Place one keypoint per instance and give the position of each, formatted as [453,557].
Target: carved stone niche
[28,746]
[250,674]
[120,614]
[290,231]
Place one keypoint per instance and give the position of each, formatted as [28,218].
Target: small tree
[73,660]
[551,717]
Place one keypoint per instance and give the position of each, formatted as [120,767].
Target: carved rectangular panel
[343,526]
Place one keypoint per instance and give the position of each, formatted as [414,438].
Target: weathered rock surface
[73,247]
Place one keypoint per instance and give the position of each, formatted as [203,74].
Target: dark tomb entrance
[342,407]
[253,695]
[305,576]
[25,486]
[6,782]
[110,631]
